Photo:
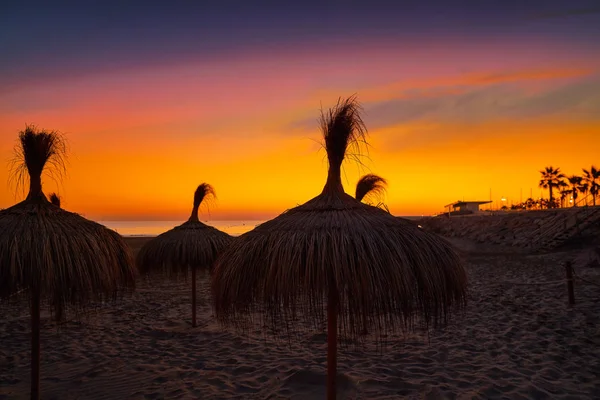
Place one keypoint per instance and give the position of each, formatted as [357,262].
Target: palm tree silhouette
[584,189]
[564,193]
[591,177]
[529,203]
[575,182]
[551,178]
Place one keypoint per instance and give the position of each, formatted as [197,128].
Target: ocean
[153,228]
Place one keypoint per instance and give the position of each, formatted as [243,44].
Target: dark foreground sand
[515,341]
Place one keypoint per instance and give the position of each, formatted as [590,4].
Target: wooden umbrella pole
[332,314]
[571,291]
[35,344]
[194,297]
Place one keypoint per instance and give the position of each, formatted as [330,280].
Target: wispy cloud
[484,98]
[505,101]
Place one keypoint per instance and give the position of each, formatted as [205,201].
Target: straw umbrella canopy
[336,259]
[51,254]
[190,246]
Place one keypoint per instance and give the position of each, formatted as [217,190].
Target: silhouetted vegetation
[552,179]
[591,179]
[574,190]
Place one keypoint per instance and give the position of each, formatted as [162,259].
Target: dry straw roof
[67,257]
[192,244]
[386,274]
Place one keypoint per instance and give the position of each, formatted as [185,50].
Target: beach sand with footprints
[515,340]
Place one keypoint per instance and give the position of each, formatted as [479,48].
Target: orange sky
[446,123]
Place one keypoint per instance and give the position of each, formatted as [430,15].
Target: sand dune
[514,341]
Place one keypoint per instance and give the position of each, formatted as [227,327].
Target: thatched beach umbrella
[337,259]
[189,246]
[51,254]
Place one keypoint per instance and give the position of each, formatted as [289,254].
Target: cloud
[467,116]
[505,99]
[470,116]
[476,97]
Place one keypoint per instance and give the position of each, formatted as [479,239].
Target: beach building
[464,207]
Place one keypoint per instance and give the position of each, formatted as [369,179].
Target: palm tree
[564,193]
[575,182]
[591,177]
[584,189]
[529,203]
[551,178]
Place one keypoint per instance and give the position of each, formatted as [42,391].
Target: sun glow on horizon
[452,128]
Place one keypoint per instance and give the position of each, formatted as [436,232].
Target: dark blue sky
[44,39]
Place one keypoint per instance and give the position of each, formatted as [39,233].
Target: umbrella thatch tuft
[191,245]
[343,128]
[55,199]
[37,151]
[376,272]
[204,193]
[370,185]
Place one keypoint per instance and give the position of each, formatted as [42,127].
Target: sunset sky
[460,97]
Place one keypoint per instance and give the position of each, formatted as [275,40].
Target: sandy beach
[300,200]
[514,341]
